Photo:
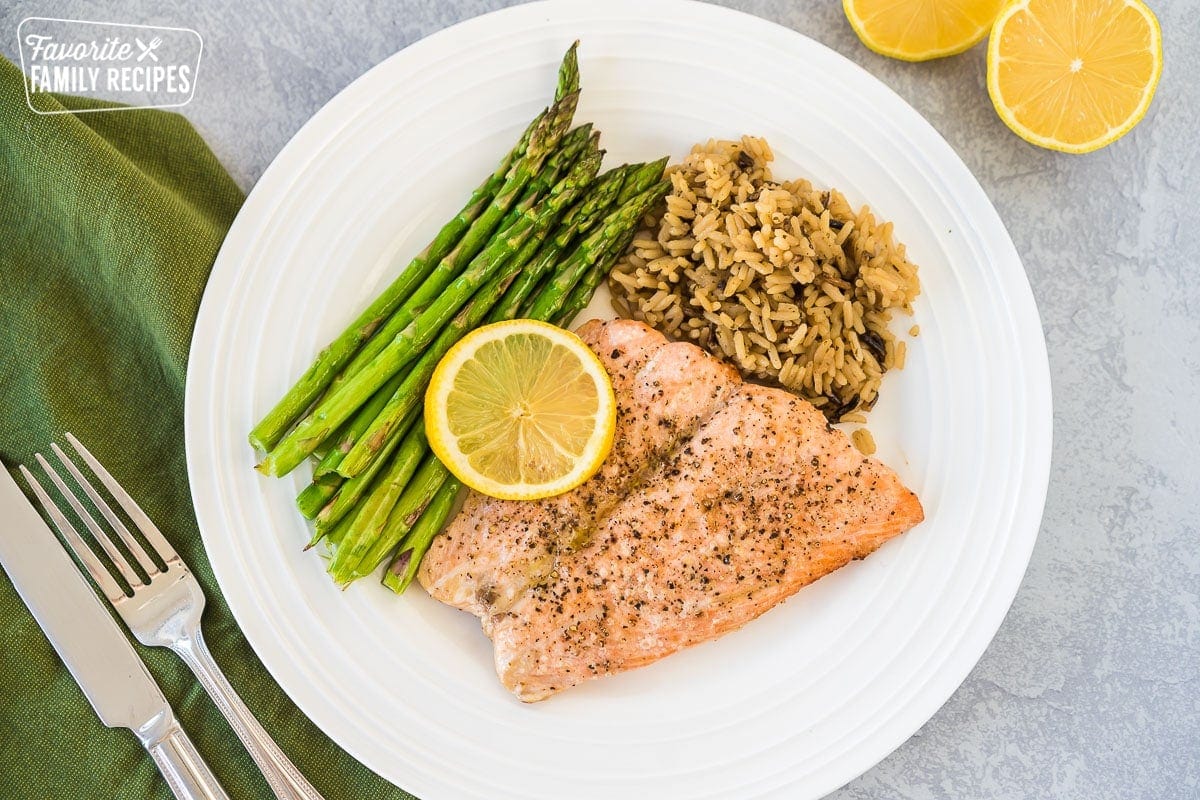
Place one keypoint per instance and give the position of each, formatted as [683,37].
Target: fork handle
[182,767]
[284,779]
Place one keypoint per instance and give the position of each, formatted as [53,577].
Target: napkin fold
[109,224]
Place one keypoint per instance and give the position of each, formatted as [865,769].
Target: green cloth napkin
[109,223]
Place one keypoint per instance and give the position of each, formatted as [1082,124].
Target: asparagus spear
[371,514]
[643,178]
[348,434]
[416,338]
[568,72]
[414,499]
[590,250]
[337,354]
[337,407]
[542,143]
[578,142]
[640,179]
[582,292]
[334,537]
[267,433]
[313,497]
[570,156]
[577,220]
[326,481]
[403,568]
[597,202]
[352,490]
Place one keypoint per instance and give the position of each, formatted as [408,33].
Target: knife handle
[185,771]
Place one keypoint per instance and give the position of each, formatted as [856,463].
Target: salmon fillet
[720,499]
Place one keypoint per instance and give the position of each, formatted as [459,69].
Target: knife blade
[86,637]
[93,647]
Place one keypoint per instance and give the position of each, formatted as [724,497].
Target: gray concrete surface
[1092,687]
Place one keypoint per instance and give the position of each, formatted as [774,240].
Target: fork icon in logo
[148,49]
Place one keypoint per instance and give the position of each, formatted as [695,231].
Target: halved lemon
[1074,75]
[520,410]
[918,30]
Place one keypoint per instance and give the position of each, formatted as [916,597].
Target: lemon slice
[520,410]
[1074,75]
[918,30]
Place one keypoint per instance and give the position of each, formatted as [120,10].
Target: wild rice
[786,281]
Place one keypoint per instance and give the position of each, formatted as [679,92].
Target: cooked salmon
[720,499]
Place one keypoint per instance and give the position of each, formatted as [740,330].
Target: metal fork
[164,609]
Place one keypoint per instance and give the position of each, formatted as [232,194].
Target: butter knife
[92,647]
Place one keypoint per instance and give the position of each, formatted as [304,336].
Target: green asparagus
[642,179]
[403,567]
[333,537]
[414,499]
[581,294]
[417,337]
[337,407]
[338,354]
[348,434]
[353,489]
[576,221]
[568,72]
[371,514]
[542,144]
[313,498]
[590,250]
[599,199]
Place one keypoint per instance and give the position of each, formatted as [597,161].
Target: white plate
[798,702]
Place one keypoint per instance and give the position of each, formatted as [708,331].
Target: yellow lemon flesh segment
[918,30]
[1074,75]
[521,410]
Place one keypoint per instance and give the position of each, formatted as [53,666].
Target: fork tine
[118,560]
[139,517]
[111,589]
[132,544]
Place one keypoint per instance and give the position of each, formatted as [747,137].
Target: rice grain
[786,281]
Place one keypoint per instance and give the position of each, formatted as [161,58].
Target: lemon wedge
[1074,75]
[520,410]
[918,30]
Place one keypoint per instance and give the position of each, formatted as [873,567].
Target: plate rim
[1029,345]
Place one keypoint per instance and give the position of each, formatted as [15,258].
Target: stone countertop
[1091,688]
